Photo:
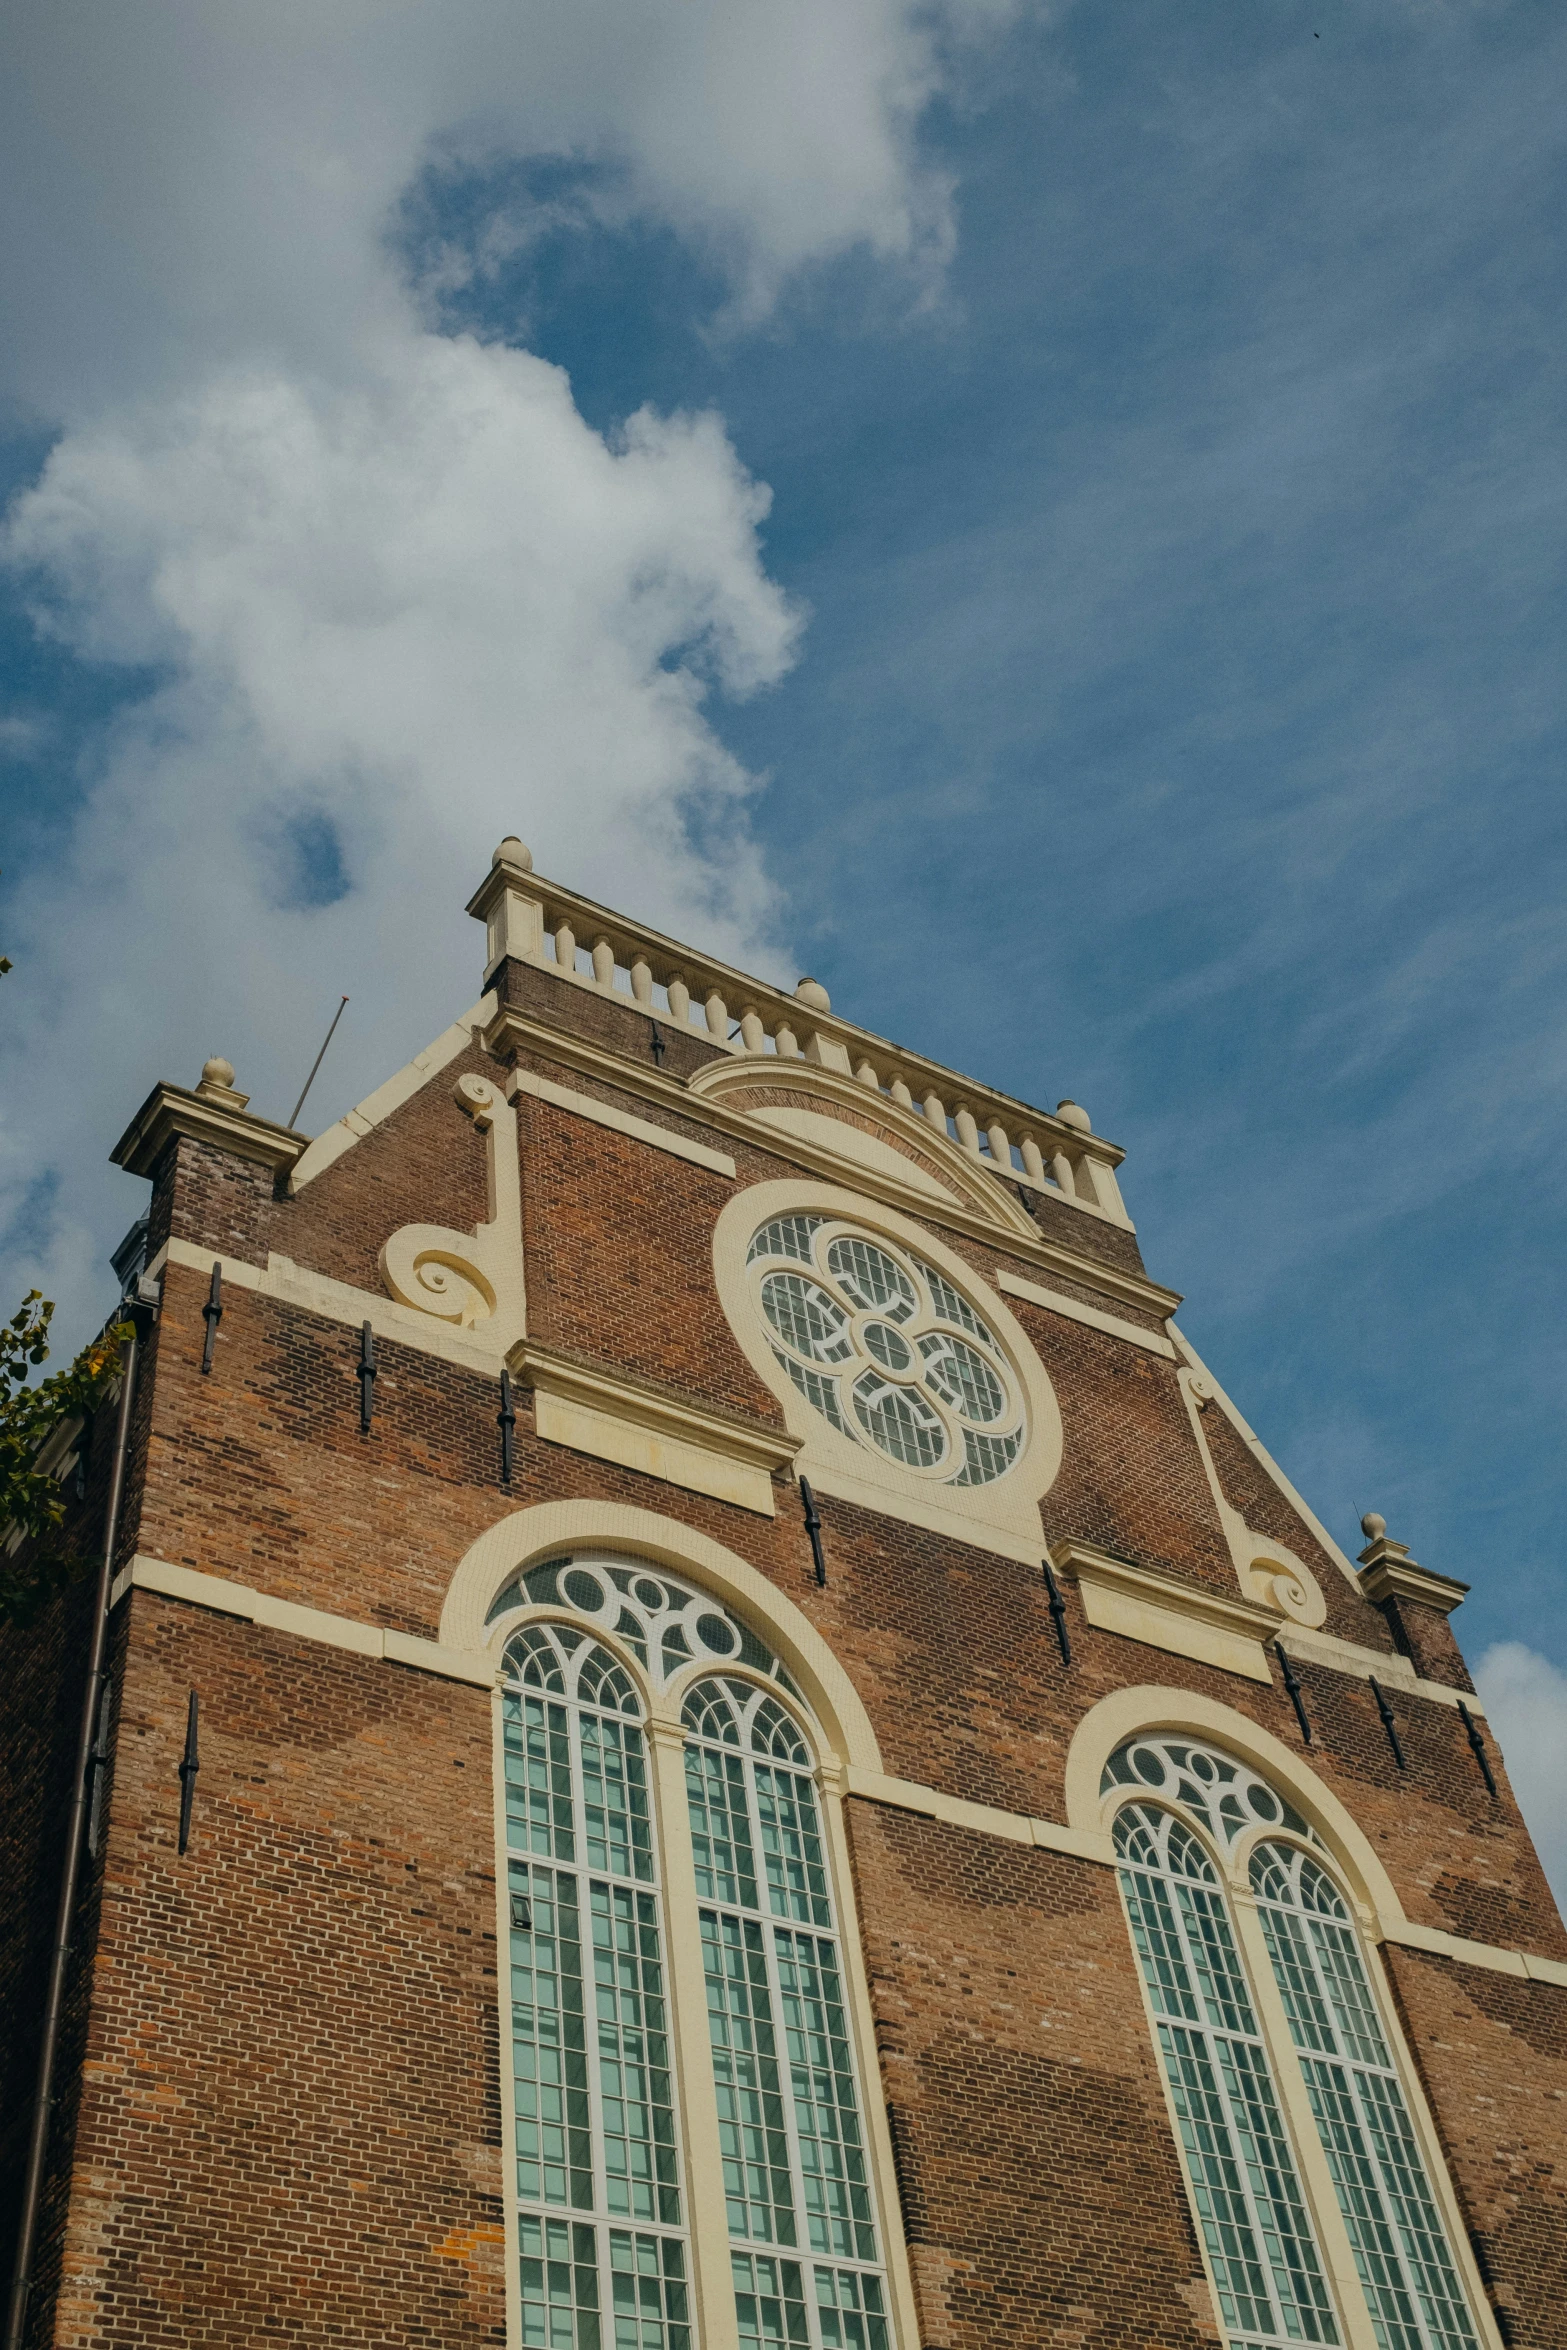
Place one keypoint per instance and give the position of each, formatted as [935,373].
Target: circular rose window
[887,1350]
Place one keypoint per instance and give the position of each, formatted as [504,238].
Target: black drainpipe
[140,1315]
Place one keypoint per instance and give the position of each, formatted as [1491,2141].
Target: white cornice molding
[221,1595]
[584,1105]
[593,1408]
[511,1030]
[173,1112]
[1152,1341]
[1390,1573]
[1265,1460]
[1184,1619]
[961,1176]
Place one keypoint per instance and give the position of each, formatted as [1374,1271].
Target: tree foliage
[34,1560]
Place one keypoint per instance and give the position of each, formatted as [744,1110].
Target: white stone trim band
[223,1597]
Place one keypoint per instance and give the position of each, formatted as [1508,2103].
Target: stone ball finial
[512,852]
[217,1071]
[1073,1114]
[812,992]
[1373,1526]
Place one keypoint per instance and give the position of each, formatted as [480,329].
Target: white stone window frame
[1000,1516]
[1327,1845]
[692,1559]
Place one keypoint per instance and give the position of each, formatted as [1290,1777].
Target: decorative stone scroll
[474,1279]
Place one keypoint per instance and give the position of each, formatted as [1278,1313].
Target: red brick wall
[288,2118]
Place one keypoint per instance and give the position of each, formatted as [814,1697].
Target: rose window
[887,1350]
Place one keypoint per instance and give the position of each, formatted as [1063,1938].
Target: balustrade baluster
[565,947]
[901,1094]
[642,980]
[968,1132]
[1061,1168]
[935,1110]
[679,999]
[1000,1146]
[1033,1161]
[752,1034]
[867,1076]
[603,963]
[788,1044]
[717,1016]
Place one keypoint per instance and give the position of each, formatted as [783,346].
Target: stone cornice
[221,1595]
[1392,1577]
[171,1111]
[597,1409]
[512,1030]
[550,1373]
[1184,1619]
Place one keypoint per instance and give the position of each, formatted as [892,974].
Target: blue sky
[1144,683]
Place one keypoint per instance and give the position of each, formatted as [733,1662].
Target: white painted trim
[582,1105]
[228,1598]
[1090,1316]
[862,1777]
[378,1106]
[479,1349]
[1254,1444]
[1185,1619]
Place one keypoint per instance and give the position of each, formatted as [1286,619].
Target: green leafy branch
[34,1563]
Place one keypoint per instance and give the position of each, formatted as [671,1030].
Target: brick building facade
[777,1763]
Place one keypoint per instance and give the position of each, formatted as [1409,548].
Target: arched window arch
[598,1890]
[1334,2085]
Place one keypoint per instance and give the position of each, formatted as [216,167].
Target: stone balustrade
[538,922]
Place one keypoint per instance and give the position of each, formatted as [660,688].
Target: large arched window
[1401,2250]
[605,2234]
[1246,2107]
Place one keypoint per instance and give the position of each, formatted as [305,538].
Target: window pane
[549,2043]
[751,2124]
[769,2302]
[720,1826]
[538,1778]
[791,1847]
[837,2197]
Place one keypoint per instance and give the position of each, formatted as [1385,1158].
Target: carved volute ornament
[474,1279]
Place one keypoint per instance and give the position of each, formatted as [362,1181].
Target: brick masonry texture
[281,2118]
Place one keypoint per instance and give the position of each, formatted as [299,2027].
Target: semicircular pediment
[839,1116]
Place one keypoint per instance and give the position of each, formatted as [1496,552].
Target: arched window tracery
[1242,2172]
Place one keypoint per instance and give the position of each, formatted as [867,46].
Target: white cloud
[1525,1697]
[398,597]
[410,616]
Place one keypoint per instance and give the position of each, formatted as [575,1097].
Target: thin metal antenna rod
[316,1063]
